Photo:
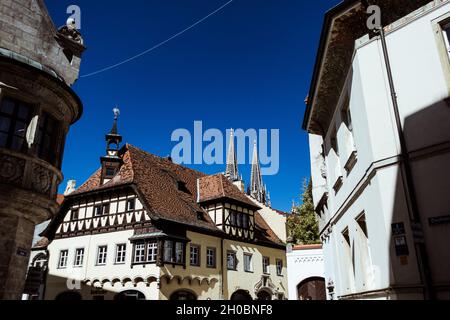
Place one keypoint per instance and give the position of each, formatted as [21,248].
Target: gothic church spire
[232,167]
[257,189]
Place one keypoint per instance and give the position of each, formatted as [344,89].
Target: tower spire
[257,189]
[111,162]
[232,167]
[113,138]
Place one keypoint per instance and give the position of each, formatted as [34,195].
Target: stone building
[38,64]
[142,227]
[378,117]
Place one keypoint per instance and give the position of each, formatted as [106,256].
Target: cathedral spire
[111,162]
[232,167]
[257,189]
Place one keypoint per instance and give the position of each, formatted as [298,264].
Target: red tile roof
[41,244]
[307,247]
[217,187]
[60,199]
[158,180]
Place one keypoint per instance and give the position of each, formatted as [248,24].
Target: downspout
[222,269]
[408,183]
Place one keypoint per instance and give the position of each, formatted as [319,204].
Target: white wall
[301,265]
[374,185]
[91,271]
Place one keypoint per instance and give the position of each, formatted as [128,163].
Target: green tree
[302,224]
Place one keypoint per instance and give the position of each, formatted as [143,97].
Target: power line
[157,45]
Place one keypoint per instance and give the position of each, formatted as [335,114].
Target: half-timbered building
[143,227]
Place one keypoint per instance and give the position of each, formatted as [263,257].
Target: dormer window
[200,216]
[182,187]
[110,172]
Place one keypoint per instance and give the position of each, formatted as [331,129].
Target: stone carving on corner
[41,179]
[11,169]
[267,283]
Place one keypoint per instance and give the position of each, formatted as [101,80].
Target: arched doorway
[183,295]
[68,296]
[129,295]
[312,289]
[264,295]
[40,261]
[241,295]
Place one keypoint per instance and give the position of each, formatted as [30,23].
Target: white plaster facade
[303,263]
[356,218]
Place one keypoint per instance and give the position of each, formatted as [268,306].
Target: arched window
[183,295]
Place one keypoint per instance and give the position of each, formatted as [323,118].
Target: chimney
[71,184]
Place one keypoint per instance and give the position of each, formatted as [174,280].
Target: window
[362,224]
[248,266]
[211,257]
[97,211]
[231,260]
[168,249]
[179,252]
[105,209]
[63,255]
[346,115]
[152,251]
[79,257]
[74,215]
[346,236]
[266,265]
[446,31]
[195,255]
[233,218]
[14,119]
[47,138]
[334,143]
[245,221]
[174,252]
[279,267]
[121,252]
[131,204]
[239,221]
[110,172]
[139,253]
[101,255]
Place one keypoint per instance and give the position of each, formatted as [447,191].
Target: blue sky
[248,66]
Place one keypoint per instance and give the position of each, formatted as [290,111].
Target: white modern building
[378,118]
[305,270]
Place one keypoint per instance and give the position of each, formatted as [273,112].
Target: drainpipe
[408,183]
[222,269]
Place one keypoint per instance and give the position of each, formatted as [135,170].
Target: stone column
[16,236]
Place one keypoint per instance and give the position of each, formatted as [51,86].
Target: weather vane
[116,112]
